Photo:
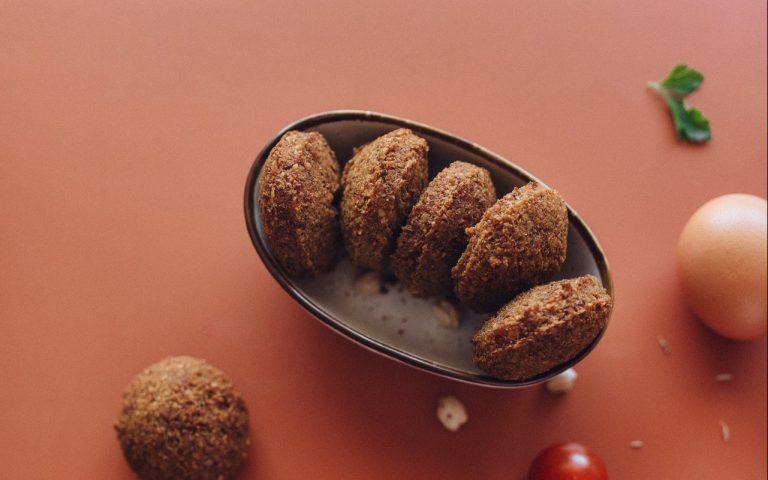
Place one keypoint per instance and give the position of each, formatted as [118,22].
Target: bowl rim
[372,344]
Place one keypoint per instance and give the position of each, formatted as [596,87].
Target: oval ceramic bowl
[394,323]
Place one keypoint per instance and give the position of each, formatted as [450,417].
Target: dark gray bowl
[395,324]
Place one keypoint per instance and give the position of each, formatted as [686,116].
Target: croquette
[182,418]
[542,328]
[433,239]
[519,242]
[380,184]
[296,193]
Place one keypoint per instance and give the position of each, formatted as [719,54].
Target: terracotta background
[126,133]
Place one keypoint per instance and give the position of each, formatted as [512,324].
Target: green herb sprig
[690,123]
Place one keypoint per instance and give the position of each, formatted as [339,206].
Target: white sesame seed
[724,377]
[664,345]
[446,314]
[725,431]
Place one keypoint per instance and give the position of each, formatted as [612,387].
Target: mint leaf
[682,80]
[690,123]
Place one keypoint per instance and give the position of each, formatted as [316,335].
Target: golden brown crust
[296,190]
[181,418]
[519,242]
[381,183]
[542,328]
[432,240]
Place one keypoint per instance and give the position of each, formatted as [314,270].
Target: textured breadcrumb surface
[182,419]
[520,241]
[542,328]
[433,238]
[380,185]
[297,186]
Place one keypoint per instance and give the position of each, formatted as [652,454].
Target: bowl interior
[394,322]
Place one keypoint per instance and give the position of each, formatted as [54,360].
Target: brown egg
[721,261]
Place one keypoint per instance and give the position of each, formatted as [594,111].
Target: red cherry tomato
[567,461]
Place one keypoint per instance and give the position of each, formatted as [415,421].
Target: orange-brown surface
[127,130]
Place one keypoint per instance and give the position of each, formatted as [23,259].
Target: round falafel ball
[298,182]
[380,184]
[433,239]
[520,241]
[181,418]
[542,328]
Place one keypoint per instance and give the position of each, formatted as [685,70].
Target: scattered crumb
[400,331]
[446,314]
[636,444]
[403,320]
[724,377]
[368,283]
[562,382]
[451,413]
[664,345]
[725,431]
[384,318]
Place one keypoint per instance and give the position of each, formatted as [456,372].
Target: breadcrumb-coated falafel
[380,185]
[542,328]
[434,238]
[182,418]
[296,191]
[520,241]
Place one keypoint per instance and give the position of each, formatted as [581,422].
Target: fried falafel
[297,186]
[380,185]
[542,328]
[182,418]
[519,242]
[434,238]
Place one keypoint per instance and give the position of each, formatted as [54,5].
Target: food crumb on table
[562,382]
[451,413]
